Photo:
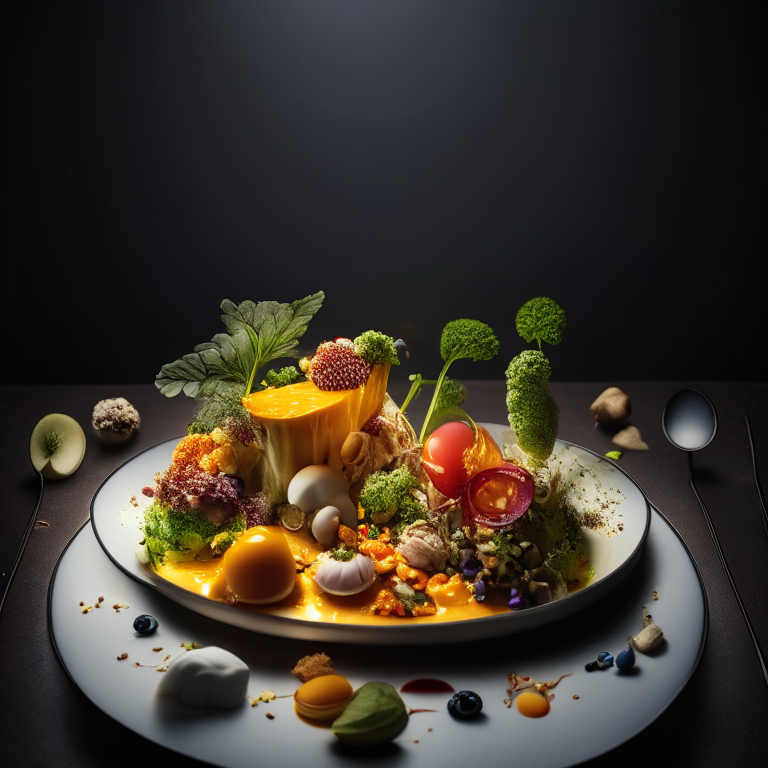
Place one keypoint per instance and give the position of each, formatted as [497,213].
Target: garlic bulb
[650,636]
[345,577]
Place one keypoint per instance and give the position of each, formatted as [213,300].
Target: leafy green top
[541,319]
[256,334]
[468,338]
[460,339]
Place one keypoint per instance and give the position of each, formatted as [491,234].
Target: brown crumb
[82,603]
[655,595]
[122,657]
[157,648]
[312,666]
[97,605]
[87,609]
[507,703]
[42,524]
[118,606]
[430,729]
[101,598]
[414,741]
[575,695]
[270,716]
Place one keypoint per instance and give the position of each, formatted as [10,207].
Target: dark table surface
[719,718]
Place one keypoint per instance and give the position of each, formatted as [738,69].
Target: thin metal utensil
[757,479]
[689,421]
[22,546]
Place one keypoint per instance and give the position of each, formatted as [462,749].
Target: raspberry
[335,367]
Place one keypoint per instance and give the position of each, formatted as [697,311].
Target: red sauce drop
[427,685]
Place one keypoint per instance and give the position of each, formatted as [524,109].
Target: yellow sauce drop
[531,703]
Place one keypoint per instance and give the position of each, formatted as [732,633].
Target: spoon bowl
[689,420]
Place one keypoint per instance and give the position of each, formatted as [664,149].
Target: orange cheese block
[306,425]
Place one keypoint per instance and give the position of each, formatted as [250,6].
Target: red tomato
[443,457]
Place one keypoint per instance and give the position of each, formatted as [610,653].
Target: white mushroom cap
[319,485]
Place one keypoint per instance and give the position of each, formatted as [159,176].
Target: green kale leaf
[257,334]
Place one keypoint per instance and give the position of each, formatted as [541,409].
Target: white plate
[611,707]
[115,521]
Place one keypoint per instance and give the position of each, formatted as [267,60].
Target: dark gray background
[417,161]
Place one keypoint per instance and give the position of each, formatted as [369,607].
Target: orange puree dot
[532,704]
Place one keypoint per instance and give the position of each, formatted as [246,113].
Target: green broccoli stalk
[288,375]
[533,412]
[461,339]
[541,319]
[386,494]
[179,536]
[376,348]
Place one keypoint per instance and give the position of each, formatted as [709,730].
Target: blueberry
[605,659]
[626,659]
[145,624]
[465,704]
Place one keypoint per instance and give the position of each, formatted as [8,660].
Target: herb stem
[434,400]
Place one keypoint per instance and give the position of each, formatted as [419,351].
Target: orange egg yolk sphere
[259,567]
[323,698]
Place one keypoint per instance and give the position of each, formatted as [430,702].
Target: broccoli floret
[219,408]
[385,494]
[541,319]
[179,536]
[175,535]
[565,559]
[468,338]
[288,375]
[461,339]
[376,348]
[533,412]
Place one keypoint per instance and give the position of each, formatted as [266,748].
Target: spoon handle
[22,546]
[726,569]
[757,478]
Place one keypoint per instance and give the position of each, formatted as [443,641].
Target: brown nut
[354,448]
[611,407]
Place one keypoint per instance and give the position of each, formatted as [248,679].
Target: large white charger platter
[117,512]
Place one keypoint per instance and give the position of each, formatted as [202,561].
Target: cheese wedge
[306,425]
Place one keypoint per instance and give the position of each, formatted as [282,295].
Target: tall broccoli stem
[414,390]
[434,399]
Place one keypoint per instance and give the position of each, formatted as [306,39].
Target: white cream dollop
[206,677]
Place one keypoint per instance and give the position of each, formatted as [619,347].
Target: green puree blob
[375,714]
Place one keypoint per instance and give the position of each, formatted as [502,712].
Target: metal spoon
[690,423]
[22,546]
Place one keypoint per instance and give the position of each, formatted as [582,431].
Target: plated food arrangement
[306,491]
